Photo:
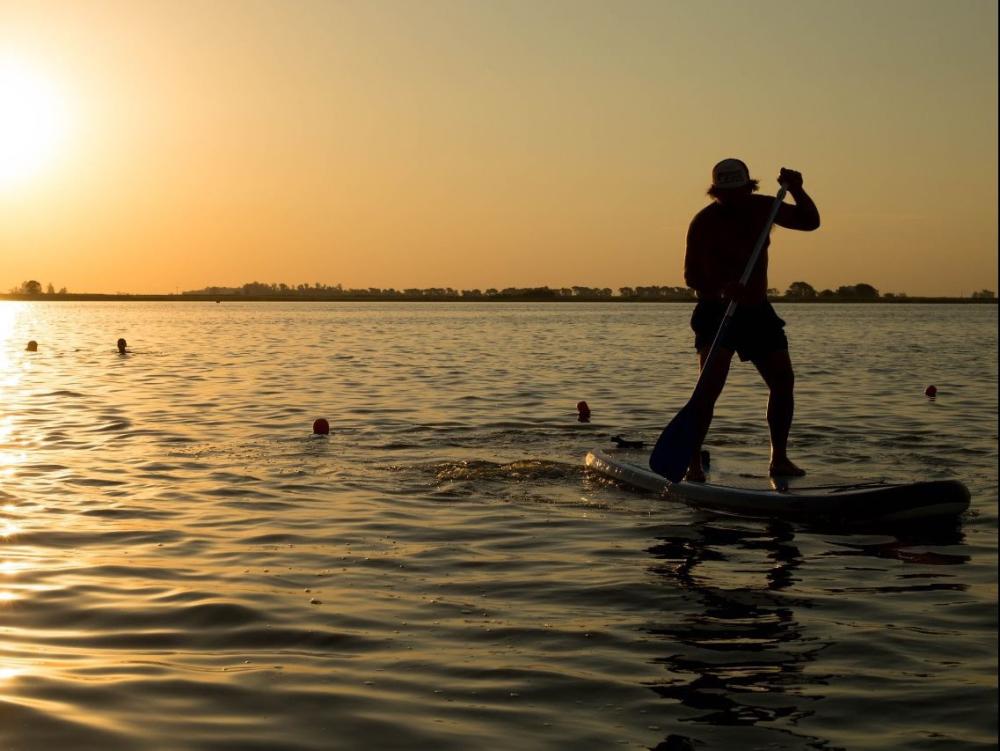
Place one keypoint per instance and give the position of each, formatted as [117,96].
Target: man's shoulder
[707,214]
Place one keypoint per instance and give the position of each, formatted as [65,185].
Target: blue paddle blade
[675,446]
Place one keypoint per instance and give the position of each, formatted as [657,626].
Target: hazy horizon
[302,290]
[156,147]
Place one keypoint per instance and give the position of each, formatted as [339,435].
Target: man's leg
[703,403]
[776,369]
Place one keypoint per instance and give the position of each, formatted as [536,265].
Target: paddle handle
[731,308]
[775,208]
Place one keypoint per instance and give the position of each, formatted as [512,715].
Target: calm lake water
[183,567]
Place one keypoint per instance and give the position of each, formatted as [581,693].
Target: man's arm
[803,215]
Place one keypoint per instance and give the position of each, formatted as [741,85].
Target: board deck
[796,498]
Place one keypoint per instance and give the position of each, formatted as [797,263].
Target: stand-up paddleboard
[795,498]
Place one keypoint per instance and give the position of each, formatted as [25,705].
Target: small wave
[481,470]
[122,423]
[129,513]
[66,540]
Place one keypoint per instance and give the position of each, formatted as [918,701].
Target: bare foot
[695,474]
[785,468]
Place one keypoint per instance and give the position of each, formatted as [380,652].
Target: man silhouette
[720,242]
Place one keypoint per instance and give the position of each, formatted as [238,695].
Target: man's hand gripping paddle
[675,446]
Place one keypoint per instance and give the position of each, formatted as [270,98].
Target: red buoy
[583,412]
[321,427]
[930,392]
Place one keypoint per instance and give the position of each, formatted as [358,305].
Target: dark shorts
[755,330]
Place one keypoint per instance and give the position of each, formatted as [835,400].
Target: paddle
[675,446]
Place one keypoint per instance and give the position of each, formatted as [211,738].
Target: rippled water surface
[183,567]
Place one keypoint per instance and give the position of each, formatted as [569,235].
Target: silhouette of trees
[797,291]
[801,290]
[858,291]
[656,293]
[30,287]
[282,290]
[33,288]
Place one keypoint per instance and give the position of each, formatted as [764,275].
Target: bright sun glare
[32,122]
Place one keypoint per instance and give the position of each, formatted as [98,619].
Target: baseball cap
[730,173]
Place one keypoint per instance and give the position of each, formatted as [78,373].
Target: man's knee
[776,370]
[783,381]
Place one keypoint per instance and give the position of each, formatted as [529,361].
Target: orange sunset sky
[163,145]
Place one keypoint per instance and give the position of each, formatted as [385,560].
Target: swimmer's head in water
[32,346]
[121,345]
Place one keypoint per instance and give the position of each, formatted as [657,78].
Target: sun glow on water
[9,568]
[9,313]
[10,374]
[9,461]
[7,597]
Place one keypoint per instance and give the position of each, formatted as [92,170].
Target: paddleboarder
[720,242]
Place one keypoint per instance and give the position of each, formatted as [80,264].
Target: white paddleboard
[794,499]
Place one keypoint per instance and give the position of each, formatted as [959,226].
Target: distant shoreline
[95,297]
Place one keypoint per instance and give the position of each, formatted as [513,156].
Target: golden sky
[162,145]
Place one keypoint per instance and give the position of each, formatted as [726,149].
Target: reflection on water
[182,566]
[745,652]
[738,658]
[905,543]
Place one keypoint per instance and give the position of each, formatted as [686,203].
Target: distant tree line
[805,291]
[261,289]
[34,288]
[796,291]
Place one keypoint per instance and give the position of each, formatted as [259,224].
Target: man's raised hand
[790,179]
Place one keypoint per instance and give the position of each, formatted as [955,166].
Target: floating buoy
[32,346]
[583,412]
[321,427]
[930,392]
